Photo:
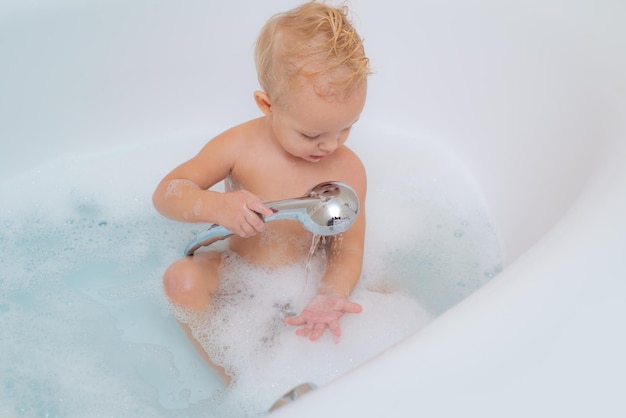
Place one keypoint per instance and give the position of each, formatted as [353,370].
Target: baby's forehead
[307,96]
[330,84]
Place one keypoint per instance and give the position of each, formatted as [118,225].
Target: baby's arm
[331,302]
[182,195]
[343,269]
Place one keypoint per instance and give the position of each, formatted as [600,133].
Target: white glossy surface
[532,96]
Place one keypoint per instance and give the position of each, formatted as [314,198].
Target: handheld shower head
[326,209]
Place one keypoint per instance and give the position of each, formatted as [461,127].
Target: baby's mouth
[318,157]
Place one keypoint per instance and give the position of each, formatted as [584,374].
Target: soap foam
[86,329]
[243,331]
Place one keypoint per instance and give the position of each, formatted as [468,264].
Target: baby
[313,73]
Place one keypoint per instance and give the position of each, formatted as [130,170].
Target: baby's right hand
[241,212]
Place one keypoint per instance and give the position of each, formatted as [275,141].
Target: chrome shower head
[326,209]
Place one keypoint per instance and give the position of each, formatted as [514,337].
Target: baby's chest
[276,181]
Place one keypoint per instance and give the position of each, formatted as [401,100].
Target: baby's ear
[264,102]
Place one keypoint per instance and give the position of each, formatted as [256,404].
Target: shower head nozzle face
[332,208]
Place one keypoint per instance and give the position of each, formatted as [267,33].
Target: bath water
[87,331]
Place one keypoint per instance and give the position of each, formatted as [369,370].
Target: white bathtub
[532,96]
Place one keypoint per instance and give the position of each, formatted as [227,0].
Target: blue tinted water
[85,327]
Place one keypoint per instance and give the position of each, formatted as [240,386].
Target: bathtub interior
[494,83]
[526,98]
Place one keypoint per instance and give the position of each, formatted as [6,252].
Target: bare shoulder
[351,159]
[233,139]
[350,169]
[217,157]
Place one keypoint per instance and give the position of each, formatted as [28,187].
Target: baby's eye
[309,136]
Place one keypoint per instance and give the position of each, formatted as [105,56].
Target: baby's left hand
[322,312]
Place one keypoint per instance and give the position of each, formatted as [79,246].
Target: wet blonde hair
[315,41]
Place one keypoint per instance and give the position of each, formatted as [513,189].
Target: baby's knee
[187,284]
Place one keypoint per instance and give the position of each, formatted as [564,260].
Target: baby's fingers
[304,331]
[352,307]
[294,320]
[335,329]
[254,222]
[260,208]
[317,331]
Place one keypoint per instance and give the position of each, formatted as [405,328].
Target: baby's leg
[191,282]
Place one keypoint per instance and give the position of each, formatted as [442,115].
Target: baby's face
[312,127]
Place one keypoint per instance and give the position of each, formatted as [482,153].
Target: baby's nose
[329,145]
